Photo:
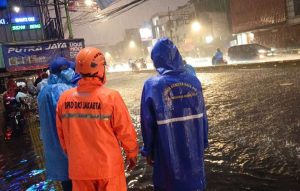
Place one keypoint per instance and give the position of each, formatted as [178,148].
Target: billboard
[19,57]
[105,3]
[146,34]
[3,4]
[248,15]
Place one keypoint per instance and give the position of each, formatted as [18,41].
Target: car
[249,52]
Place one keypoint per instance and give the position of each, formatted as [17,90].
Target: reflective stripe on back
[86,116]
[177,119]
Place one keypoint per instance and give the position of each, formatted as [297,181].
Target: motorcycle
[218,61]
[15,121]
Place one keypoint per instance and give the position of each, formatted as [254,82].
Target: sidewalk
[272,64]
[226,67]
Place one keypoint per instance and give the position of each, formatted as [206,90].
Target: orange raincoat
[92,123]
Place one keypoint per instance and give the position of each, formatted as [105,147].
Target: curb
[226,67]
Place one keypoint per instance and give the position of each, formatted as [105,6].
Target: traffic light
[3,4]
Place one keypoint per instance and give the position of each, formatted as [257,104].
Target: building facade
[273,23]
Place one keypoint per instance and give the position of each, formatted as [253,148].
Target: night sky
[112,31]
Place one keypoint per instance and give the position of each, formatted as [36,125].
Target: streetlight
[132,44]
[107,54]
[88,2]
[16,9]
[209,39]
[196,27]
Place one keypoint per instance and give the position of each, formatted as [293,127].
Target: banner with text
[18,57]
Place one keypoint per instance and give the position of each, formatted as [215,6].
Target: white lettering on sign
[37,48]
[56,46]
[24,19]
[21,50]
[75,44]
[2,21]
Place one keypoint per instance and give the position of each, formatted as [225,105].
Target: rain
[245,54]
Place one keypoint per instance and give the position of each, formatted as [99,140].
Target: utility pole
[68,20]
[170,24]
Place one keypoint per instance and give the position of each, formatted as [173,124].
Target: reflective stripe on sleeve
[86,116]
[185,118]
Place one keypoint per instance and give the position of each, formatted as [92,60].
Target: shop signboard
[2,65]
[25,23]
[20,57]
[24,20]
[25,27]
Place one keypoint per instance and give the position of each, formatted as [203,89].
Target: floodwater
[254,130]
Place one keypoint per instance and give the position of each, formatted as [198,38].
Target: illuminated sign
[24,27]
[146,34]
[18,27]
[35,26]
[3,21]
[24,20]
[3,3]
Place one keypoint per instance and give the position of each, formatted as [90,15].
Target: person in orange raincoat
[92,123]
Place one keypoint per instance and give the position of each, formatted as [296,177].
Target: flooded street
[254,129]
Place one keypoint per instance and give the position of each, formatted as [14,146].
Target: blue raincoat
[56,160]
[174,123]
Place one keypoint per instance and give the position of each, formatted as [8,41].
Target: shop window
[297,7]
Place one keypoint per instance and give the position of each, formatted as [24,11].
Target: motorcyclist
[218,57]
[14,124]
[42,83]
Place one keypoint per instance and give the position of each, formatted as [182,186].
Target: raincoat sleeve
[59,125]
[123,127]
[147,122]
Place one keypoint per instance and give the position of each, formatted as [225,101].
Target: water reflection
[254,120]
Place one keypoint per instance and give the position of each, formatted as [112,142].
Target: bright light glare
[146,33]
[88,2]
[196,26]
[107,54]
[262,51]
[119,68]
[16,9]
[132,44]
[209,39]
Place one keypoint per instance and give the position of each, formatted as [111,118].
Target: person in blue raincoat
[174,123]
[190,69]
[218,57]
[61,79]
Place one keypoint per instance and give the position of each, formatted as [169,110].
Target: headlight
[262,51]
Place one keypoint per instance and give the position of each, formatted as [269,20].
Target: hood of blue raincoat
[65,76]
[166,57]
[60,63]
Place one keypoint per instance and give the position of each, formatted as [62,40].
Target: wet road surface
[254,132]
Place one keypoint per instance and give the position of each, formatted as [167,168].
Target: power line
[105,15]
